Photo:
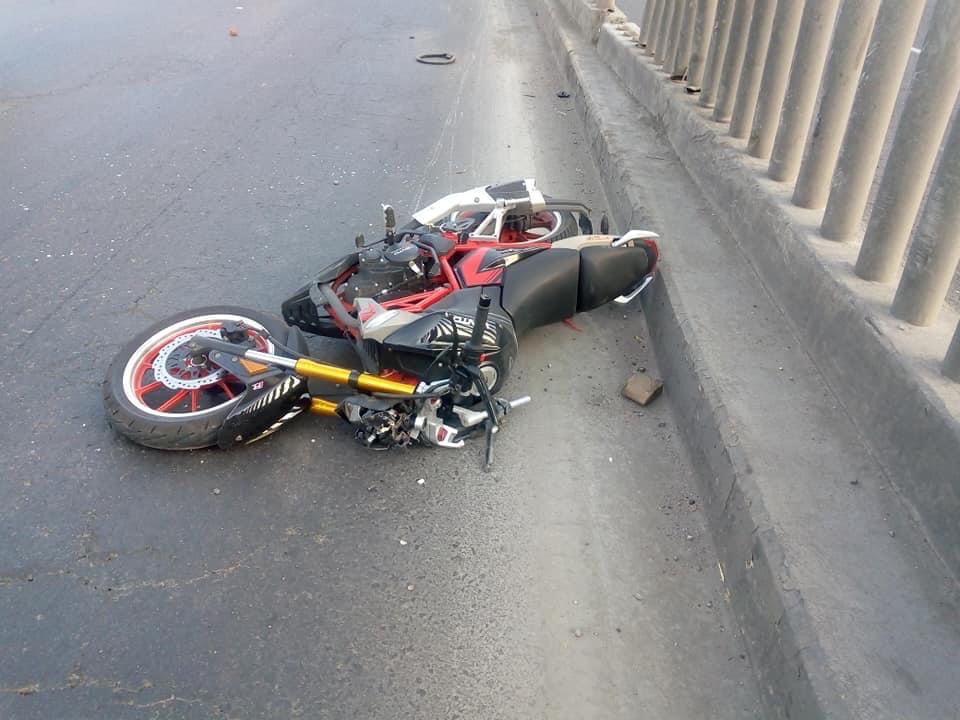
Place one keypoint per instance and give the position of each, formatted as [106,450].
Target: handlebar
[480,322]
[473,348]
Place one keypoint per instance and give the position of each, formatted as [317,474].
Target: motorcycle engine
[386,271]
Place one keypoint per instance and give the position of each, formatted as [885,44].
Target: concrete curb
[900,413]
[587,18]
[783,646]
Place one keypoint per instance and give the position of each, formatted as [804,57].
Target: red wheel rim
[210,387]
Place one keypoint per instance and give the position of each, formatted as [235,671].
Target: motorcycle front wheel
[158,395]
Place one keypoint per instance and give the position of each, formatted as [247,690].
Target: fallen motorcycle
[434,310]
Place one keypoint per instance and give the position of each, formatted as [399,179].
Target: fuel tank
[423,347]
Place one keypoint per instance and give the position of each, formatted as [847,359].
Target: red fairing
[471,273]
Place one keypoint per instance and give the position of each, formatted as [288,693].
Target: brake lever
[488,461]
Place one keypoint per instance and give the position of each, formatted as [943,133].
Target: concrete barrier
[906,412]
[899,402]
[776,627]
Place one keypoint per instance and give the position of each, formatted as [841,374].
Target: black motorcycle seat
[608,272]
[542,289]
[557,283]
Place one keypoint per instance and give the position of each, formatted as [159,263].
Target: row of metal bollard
[812,85]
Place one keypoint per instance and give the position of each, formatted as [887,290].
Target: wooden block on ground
[643,389]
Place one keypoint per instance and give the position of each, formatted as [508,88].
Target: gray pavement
[152,163]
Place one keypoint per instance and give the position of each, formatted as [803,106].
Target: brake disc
[174,366]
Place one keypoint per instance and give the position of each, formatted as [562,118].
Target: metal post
[926,113]
[935,250]
[776,70]
[847,50]
[706,12]
[951,363]
[648,9]
[753,62]
[654,36]
[873,106]
[815,29]
[733,60]
[682,52]
[663,36]
[718,48]
[673,30]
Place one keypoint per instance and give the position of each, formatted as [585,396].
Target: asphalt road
[151,162]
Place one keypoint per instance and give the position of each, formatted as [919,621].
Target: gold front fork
[364,382]
[319,406]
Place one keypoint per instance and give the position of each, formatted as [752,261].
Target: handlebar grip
[389,219]
[480,322]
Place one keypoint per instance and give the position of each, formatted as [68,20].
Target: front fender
[270,401]
[272,398]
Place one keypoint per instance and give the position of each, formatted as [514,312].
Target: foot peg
[471,418]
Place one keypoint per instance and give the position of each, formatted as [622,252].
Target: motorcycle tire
[170,419]
[569,226]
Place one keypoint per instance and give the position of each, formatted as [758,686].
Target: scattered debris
[563,94]
[403,542]
[410,587]
[232,31]
[216,491]
[642,389]
[638,596]
[578,633]
[893,533]
[443,58]
[855,481]
[421,481]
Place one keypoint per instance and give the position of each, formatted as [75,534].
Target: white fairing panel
[376,322]
[477,199]
[578,242]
